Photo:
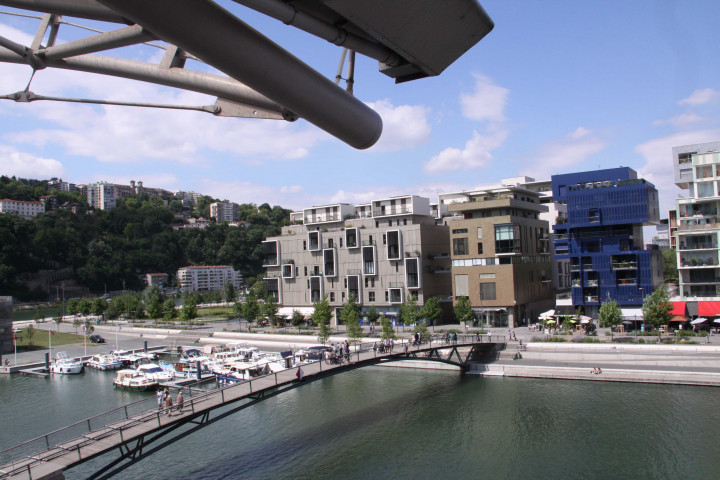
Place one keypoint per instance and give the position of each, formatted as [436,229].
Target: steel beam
[89,9]
[220,39]
[98,43]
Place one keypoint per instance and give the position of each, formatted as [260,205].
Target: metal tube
[97,43]
[207,31]
[75,8]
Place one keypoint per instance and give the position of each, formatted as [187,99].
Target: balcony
[384,212]
[627,281]
[624,265]
[698,245]
[592,283]
[590,299]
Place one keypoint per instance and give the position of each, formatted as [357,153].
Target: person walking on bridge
[180,401]
[160,398]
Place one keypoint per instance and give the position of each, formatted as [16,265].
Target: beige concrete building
[381,252]
[208,278]
[22,208]
[500,253]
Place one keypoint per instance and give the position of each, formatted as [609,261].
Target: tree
[155,309]
[270,310]
[297,319]
[230,292]
[58,320]
[670,272]
[350,316]
[168,309]
[250,308]
[77,324]
[73,306]
[89,329]
[29,333]
[189,309]
[321,316]
[387,329]
[463,310]
[85,306]
[372,316]
[656,308]
[431,311]
[152,292]
[99,305]
[410,311]
[609,314]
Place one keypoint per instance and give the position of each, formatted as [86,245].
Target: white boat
[127,358]
[66,365]
[104,362]
[133,380]
[154,372]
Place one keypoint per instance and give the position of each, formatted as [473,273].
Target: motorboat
[104,362]
[126,357]
[128,379]
[155,372]
[66,365]
[184,369]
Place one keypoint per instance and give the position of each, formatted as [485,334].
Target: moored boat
[104,362]
[66,365]
[127,379]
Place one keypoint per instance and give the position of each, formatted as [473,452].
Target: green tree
[372,316]
[270,310]
[73,306]
[387,329]
[85,306]
[89,329]
[670,271]
[99,305]
[609,314]
[656,308]
[152,292]
[189,309]
[230,292]
[463,310]
[250,308]
[77,324]
[350,316]
[29,333]
[321,317]
[155,309]
[169,311]
[431,311]
[297,319]
[410,311]
[58,320]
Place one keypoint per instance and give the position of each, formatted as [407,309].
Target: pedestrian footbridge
[140,429]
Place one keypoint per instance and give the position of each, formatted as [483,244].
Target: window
[486,275]
[404,221]
[507,239]
[371,296]
[305,270]
[304,244]
[487,291]
[461,286]
[480,249]
[479,232]
[341,242]
[458,231]
[460,246]
[343,296]
[332,296]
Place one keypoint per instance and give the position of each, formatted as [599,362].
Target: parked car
[97,339]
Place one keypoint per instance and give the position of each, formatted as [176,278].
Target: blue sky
[556,87]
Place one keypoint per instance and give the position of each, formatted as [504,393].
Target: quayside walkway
[140,429]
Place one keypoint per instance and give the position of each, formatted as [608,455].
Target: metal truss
[261,80]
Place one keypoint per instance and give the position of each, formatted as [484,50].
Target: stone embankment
[671,364]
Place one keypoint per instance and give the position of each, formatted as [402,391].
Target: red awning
[678,309]
[709,309]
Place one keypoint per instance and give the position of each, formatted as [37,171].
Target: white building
[208,278]
[22,208]
[224,211]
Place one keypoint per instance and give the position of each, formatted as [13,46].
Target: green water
[398,423]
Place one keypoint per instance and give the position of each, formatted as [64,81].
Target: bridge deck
[61,455]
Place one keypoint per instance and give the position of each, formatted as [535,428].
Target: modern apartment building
[500,252]
[104,196]
[208,278]
[381,252]
[225,211]
[697,171]
[603,236]
[22,208]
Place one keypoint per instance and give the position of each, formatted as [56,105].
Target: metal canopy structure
[410,39]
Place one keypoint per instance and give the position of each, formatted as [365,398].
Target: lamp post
[642,297]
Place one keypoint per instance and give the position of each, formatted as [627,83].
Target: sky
[557,87]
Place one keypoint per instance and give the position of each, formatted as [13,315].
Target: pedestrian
[405,348]
[168,405]
[347,351]
[179,401]
[160,398]
[392,345]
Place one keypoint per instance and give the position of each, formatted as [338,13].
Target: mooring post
[197,373]
[47,361]
[145,346]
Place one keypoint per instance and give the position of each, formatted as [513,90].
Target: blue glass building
[602,236]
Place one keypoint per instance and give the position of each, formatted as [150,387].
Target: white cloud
[486,102]
[658,168]
[553,157]
[700,97]
[403,125]
[681,121]
[25,165]
[476,154]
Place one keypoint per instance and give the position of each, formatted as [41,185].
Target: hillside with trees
[113,249]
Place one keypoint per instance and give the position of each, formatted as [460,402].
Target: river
[378,423]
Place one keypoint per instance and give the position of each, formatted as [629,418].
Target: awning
[288,311]
[678,318]
[709,309]
[585,319]
[678,309]
[632,313]
[698,320]
[547,314]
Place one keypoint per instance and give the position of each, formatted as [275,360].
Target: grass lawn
[40,339]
